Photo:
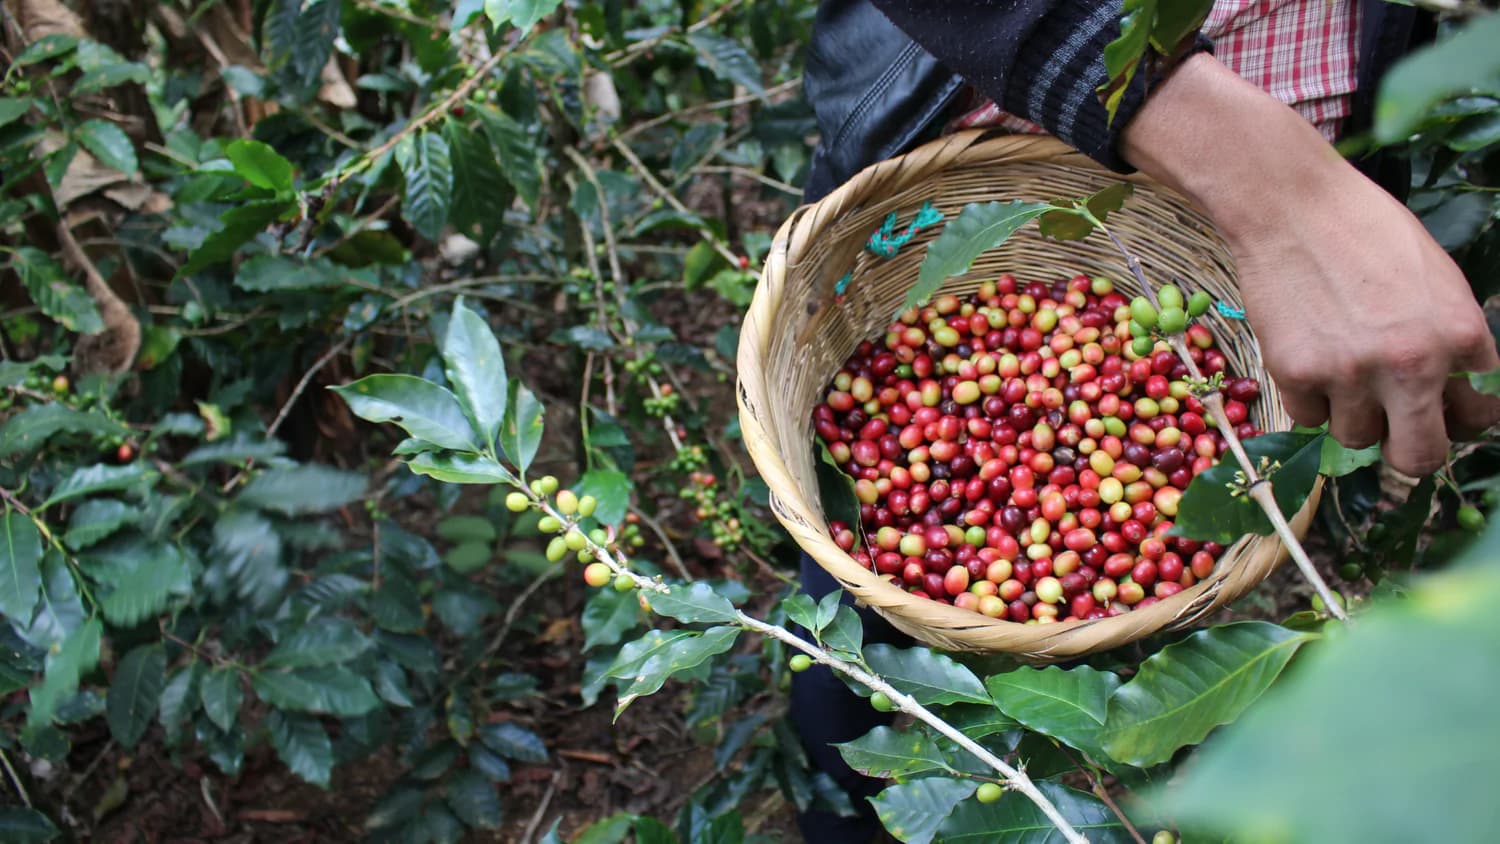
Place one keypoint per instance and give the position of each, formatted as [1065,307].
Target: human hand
[1361,316]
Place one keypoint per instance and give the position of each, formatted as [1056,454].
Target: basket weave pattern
[797,334]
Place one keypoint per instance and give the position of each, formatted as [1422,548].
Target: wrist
[1236,151]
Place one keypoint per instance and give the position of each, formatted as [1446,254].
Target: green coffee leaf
[460,468]
[1182,692]
[97,519]
[135,693]
[329,690]
[1486,382]
[1335,460]
[60,611]
[608,616]
[179,701]
[102,477]
[141,579]
[1122,56]
[329,640]
[424,160]
[522,14]
[476,369]
[422,408]
[466,529]
[726,59]
[238,225]
[845,635]
[481,195]
[913,811]
[521,434]
[13,109]
[247,556]
[976,229]
[28,430]
[77,655]
[802,610]
[54,293]
[222,695]
[302,744]
[611,488]
[513,742]
[261,165]
[299,37]
[299,490]
[1015,820]
[1425,77]
[929,677]
[1210,511]
[109,144]
[21,825]
[886,753]
[267,273]
[693,603]
[1069,706]
[516,153]
[473,799]
[20,566]
[653,659]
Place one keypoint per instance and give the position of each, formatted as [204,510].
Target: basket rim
[1036,642]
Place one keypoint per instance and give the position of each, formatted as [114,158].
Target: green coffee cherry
[1164,837]
[1143,312]
[586,505]
[882,702]
[1199,303]
[575,540]
[1351,571]
[517,502]
[599,536]
[1470,518]
[567,502]
[1173,321]
[1142,346]
[556,549]
[1138,330]
[549,484]
[989,792]
[1169,296]
[800,662]
[585,556]
[548,524]
[624,583]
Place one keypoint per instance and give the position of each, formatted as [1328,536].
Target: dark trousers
[825,712]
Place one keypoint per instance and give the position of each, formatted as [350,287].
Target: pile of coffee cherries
[1018,453]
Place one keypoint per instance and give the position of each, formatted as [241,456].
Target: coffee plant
[237,228]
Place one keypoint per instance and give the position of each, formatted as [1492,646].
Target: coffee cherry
[597,575]
[800,662]
[1470,518]
[60,385]
[1169,296]
[586,505]
[882,702]
[1164,837]
[557,549]
[549,524]
[549,484]
[624,583]
[567,502]
[1142,346]
[1199,303]
[1172,321]
[989,792]
[575,540]
[1143,312]
[125,453]
[517,502]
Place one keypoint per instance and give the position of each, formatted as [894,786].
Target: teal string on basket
[887,242]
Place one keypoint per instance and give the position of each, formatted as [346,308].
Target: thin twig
[509,621]
[15,780]
[715,105]
[286,406]
[1101,793]
[668,197]
[541,808]
[625,56]
[666,541]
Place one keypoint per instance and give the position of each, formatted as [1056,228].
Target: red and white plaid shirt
[1301,51]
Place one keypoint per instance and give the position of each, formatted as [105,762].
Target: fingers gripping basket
[797,334]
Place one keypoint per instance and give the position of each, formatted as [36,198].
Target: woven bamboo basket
[798,333]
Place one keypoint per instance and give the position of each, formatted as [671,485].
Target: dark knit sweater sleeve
[1038,59]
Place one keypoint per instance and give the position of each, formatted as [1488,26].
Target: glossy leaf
[1210,512]
[238,225]
[514,742]
[1122,56]
[60,610]
[845,634]
[425,163]
[886,753]
[320,641]
[1069,706]
[330,690]
[95,520]
[20,566]
[109,144]
[1177,22]
[611,488]
[21,825]
[726,59]
[481,195]
[102,477]
[460,468]
[473,799]
[1015,820]
[302,744]
[1069,224]
[179,701]
[247,557]
[648,662]
[693,603]
[422,409]
[913,811]
[299,490]
[142,578]
[135,693]
[221,694]
[608,616]
[13,109]
[516,153]
[1486,382]
[522,14]
[261,165]
[29,430]
[268,273]
[1182,692]
[54,293]
[77,655]
[926,675]
[978,228]
[1335,460]
[476,369]
[521,434]
[1425,77]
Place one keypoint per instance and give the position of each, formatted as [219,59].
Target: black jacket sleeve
[1039,59]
